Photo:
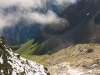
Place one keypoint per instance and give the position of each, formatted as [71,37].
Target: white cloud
[12,18]
[24,10]
[48,18]
[8,19]
[60,2]
[22,3]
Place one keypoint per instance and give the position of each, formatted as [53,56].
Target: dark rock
[89,51]
[97,19]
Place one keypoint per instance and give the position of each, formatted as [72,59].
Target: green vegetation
[15,47]
[70,54]
[40,59]
[46,59]
[36,49]
[28,48]
[24,47]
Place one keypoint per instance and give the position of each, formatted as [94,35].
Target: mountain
[20,33]
[52,5]
[71,47]
[23,31]
[81,26]
[13,64]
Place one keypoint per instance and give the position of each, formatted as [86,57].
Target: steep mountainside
[82,26]
[13,64]
[20,33]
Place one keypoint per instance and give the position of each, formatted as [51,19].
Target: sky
[10,16]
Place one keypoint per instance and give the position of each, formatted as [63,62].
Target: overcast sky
[24,10]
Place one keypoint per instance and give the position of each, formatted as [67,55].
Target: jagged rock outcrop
[13,64]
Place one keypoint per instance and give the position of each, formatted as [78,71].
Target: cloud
[13,10]
[61,2]
[22,3]
[49,17]
[8,19]
[11,18]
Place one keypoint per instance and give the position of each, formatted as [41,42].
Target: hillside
[20,33]
[81,26]
[13,64]
[81,59]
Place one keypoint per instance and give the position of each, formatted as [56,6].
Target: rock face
[13,64]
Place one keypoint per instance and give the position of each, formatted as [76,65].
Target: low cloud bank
[61,2]
[13,10]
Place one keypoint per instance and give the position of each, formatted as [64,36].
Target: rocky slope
[82,59]
[13,64]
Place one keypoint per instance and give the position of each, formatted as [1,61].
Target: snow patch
[20,65]
[1,60]
[74,71]
[88,14]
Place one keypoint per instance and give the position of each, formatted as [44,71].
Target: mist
[13,10]
[61,2]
